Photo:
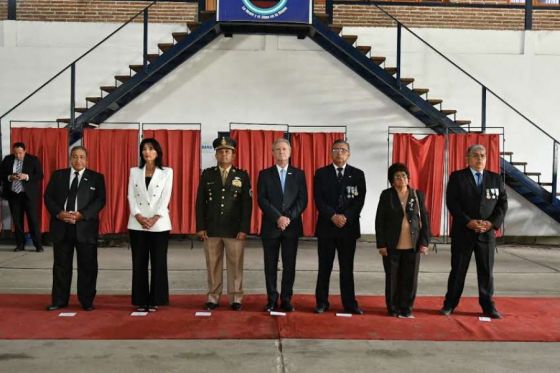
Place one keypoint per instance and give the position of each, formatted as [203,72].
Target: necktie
[71,201]
[479,181]
[224,176]
[17,186]
[339,173]
[282,179]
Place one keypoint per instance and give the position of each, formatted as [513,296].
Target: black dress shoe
[321,308]
[354,310]
[19,248]
[392,313]
[88,308]
[236,306]
[142,309]
[446,311]
[39,249]
[493,314]
[54,307]
[211,306]
[271,306]
[287,307]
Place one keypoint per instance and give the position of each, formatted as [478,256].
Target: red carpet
[525,319]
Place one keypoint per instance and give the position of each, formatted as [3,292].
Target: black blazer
[91,200]
[332,197]
[389,217]
[274,204]
[31,166]
[465,203]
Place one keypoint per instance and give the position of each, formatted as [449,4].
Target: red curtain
[254,153]
[311,151]
[113,152]
[181,152]
[459,143]
[50,145]
[424,159]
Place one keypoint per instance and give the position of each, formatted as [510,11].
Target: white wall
[271,79]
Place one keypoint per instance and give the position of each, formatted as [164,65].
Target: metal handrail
[78,59]
[400,24]
[440,4]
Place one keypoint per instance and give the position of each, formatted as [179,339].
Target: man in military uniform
[223,217]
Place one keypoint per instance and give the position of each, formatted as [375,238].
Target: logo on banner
[265,9]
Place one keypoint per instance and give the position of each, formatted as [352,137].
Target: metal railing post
[329,9]
[554,171]
[483,114]
[12,10]
[529,15]
[201,6]
[145,39]
[399,37]
[72,96]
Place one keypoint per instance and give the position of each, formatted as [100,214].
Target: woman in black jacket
[402,234]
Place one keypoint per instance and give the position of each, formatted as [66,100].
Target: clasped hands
[21,176]
[145,222]
[479,226]
[283,222]
[339,220]
[70,217]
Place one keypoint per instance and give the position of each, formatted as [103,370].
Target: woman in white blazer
[149,193]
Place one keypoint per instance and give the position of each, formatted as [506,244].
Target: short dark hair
[341,141]
[157,147]
[394,168]
[18,145]
[79,147]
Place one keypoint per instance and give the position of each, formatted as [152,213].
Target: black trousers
[460,259]
[401,279]
[62,269]
[272,248]
[327,248]
[21,204]
[149,247]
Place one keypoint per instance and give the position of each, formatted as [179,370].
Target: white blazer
[151,201]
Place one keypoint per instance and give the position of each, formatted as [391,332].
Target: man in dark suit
[340,191]
[223,219]
[74,198]
[282,197]
[21,176]
[477,201]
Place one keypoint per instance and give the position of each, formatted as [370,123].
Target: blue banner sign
[277,11]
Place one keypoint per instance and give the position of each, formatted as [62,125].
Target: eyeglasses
[339,150]
[401,176]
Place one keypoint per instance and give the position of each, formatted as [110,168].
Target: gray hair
[341,141]
[474,148]
[279,140]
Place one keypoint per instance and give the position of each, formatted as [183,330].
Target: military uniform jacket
[465,202]
[345,197]
[224,210]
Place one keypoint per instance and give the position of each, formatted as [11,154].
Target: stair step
[420,91]
[192,26]
[506,153]
[206,15]
[434,101]
[164,47]
[365,49]
[178,36]
[108,88]
[93,99]
[391,70]
[122,78]
[545,184]
[407,81]
[152,57]
[448,111]
[136,68]
[323,17]
[80,109]
[63,120]
[518,163]
[378,59]
[532,173]
[462,122]
[350,39]
[337,29]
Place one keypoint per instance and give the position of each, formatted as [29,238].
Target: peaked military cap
[224,143]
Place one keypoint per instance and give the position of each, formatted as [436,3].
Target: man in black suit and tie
[282,197]
[340,191]
[74,198]
[476,198]
[21,176]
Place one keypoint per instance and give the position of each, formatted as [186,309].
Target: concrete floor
[519,271]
